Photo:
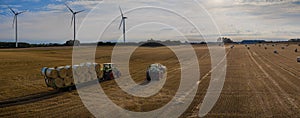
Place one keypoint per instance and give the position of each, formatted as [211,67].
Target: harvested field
[258,82]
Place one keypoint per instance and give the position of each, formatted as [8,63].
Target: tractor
[110,71]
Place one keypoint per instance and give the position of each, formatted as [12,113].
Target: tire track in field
[40,96]
[285,68]
[260,99]
[289,59]
[279,74]
[266,85]
[32,101]
[195,109]
[265,106]
[270,78]
[292,60]
[29,98]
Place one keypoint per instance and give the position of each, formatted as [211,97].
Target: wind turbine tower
[15,23]
[73,19]
[124,24]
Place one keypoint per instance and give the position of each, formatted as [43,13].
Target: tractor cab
[110,71]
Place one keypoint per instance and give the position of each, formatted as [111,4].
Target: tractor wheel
[111,76]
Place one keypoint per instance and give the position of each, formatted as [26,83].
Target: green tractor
[110,71]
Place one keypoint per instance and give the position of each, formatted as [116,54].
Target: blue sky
[49,20]
[31,5]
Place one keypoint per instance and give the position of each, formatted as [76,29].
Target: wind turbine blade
[22,12]
[14,21]
[11,10]
[79,11]
[121,24]
[72,20]
[121,12]
[69,8]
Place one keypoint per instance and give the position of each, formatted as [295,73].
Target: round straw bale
[59,82]
[76,69]
[99,71]
[69,71]
[78,78]
[43,71]
[83,68]
[68,81]
[62,72]
[87,77]
[90,67]
[97,67]
[52,73]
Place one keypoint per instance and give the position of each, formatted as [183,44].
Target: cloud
[264,2]
[55,7]
[237,19]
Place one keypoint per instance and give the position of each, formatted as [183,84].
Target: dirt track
[258,83]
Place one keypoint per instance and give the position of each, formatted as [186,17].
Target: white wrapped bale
[156,72]
[76,69]
[298,59]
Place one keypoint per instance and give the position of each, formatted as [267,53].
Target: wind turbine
[15,22]
[124,24]
[74,19]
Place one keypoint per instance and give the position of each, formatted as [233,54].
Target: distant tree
[12,45]
[294,40]
[225,40]
[72,43]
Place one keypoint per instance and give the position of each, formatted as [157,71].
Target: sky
[49,21]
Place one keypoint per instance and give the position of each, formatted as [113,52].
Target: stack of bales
[60,77]
[87,72]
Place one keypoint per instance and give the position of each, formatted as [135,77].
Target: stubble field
[258,82]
